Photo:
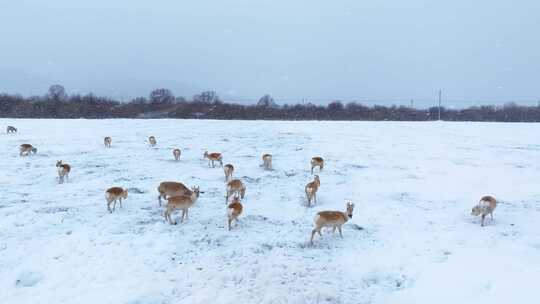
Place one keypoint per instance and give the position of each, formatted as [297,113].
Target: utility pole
[440,94]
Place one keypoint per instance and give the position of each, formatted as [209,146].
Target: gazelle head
[34,150]
[125,193]
[58,163]
[476,210]
[316,178]
[205,154]
[350,207]
[196,190]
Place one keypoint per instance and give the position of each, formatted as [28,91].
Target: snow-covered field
[411,240]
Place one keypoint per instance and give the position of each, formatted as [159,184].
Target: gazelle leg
[312,235]
[334,229]
[340,234]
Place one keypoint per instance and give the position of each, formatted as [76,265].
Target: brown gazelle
[235,187]
[115,194]
[26,149]
[267,161]
[334,219]
[228,169]
[176,152]
[485,206]
[213,157]
[181,202]
[233,211]
[107,141]
[11,129]
[317,161]
[63,171]
[311,190]
[168,189]
[152,141]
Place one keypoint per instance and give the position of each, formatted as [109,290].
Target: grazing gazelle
[334,219]
[26,149]
[228,169]
[176,152]
[182,202]
[107,141]
[168,189]
[212,157]
[63,171]
[311,190]
[236,187]
[233,211]
[115,194]
[267,161]
[11,129]
[485,206]
[317,161]
[152,141]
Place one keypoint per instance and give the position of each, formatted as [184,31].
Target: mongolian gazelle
[107,141]
[182,202]
[317,161]
[115,194]
[168,189]
[26,149]
[176,153]
[11,129]
[63,171]
[485,206]
[334,219]
[311,190]
[152,141]
[228,169]
[213,157]
[234,210]
[267,161]
[235,187]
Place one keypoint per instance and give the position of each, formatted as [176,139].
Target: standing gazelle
[115,194]
[267,161]
[152,141]
[228,169]
[63,171]
[317,161]
[311,190]
[176,152]
[168,189]
[107,141]
[27,149]
[235,187]
[182,202]
[485,206]
[334,219]
[233,211]
[212,157]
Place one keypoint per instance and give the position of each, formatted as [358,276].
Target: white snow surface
[411,239]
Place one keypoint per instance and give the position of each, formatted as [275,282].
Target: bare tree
[161,96]
[206,97]
[267,102]
[57,93]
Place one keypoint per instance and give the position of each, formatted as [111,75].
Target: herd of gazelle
[180,197]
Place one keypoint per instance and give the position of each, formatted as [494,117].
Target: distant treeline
[161,103]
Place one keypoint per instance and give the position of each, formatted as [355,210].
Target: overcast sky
[348,49]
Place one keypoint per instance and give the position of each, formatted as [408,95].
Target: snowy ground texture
[411,240]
